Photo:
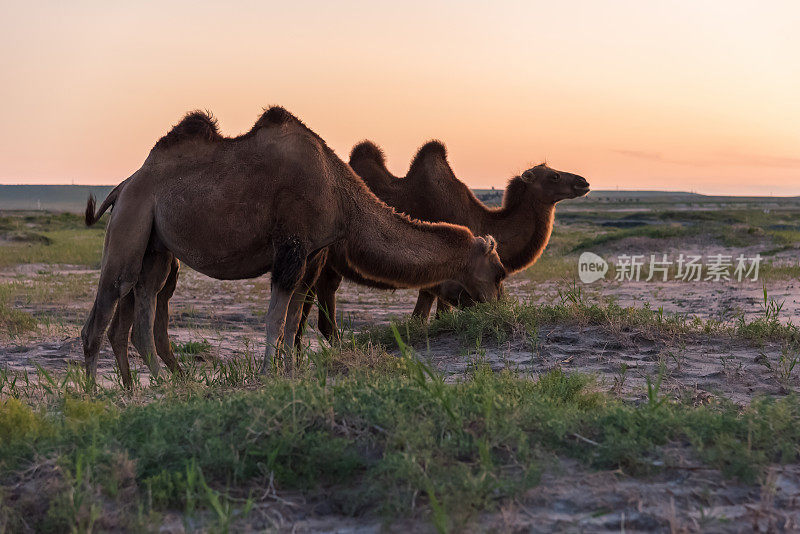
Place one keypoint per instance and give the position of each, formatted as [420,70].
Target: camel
[270,200]
[431,192]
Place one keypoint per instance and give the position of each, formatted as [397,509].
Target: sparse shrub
[19,423]
[650,231]
[192,347]
[26,236]
[15,322]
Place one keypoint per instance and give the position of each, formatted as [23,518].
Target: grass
[15,322]
[738,236]
[50,238]
[653,232]
[192,347]
[46,288]
[784,240]
[775,230]
[770,272]
[365,432]
[378,440]
[507,320]
[552,266]
[728,227]
[784,368]
[57,293]
[503,320]
[74,247]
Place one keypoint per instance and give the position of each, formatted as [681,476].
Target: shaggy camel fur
[272,199]
[431,192]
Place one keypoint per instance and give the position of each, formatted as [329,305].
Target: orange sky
[694,95]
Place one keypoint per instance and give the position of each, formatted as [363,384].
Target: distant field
[61,198]
[72,198]
[642,199]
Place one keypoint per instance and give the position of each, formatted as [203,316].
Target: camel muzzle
[581,186]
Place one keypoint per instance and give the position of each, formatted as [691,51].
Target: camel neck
[522,231]
[389,247]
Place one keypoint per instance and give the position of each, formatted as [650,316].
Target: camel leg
[156,269]
[327,284]
[292,326]
[119,334]
[306,309]
[424,304]
[288,269]
[160,332]
[104,303]
[276,318]
[301,304]
[442,307]
[126,241]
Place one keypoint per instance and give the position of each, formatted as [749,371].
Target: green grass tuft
[371,441]
[15,322]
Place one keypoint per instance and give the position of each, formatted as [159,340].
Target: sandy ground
[571,498]
[230,315]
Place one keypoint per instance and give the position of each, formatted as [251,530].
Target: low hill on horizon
[69,198]
[72,198]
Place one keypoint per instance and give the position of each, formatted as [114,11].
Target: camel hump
[431,151]
[433,148]
[278,116]
[367,150]
[275,116]
[195,125]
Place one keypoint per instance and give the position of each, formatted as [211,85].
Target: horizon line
[596,191]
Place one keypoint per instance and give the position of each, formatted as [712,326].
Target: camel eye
[556,177]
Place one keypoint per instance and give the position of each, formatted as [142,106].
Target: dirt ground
[230,315]
[683,497]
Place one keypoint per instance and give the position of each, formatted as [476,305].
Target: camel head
[485,273]
[454,294]
[553,186]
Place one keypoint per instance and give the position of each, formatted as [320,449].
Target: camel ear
[528,175]
[488,244]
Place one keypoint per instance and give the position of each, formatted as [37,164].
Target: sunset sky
[695,95]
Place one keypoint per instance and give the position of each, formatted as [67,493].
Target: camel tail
[90,215]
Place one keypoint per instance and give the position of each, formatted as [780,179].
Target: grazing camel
[431,192]
[272,199]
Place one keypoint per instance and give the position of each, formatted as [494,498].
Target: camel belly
[222,240]
[227,259]
[229,232]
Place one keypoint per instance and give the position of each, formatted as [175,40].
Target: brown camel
[272,199]
[431,192]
